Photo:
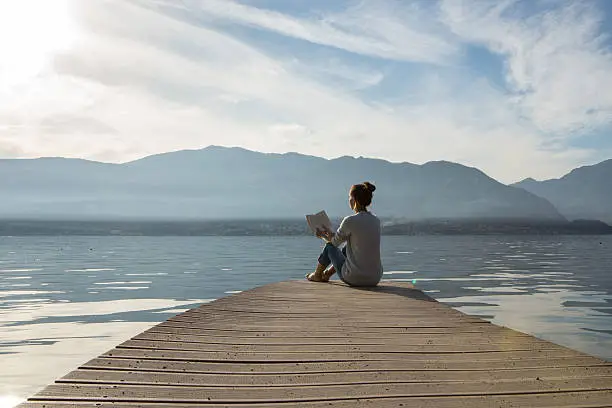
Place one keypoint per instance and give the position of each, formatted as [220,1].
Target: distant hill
[218,182]
[584,193]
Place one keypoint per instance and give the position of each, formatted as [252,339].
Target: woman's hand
[325,234]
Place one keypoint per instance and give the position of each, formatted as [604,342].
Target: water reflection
[543,312]
[560,291]
[42,339]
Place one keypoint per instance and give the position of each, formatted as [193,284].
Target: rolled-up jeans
[334,256]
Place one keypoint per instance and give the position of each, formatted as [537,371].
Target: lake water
[64,300]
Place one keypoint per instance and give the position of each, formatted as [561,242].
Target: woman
[358,263]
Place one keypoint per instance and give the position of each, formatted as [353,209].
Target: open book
[319,222]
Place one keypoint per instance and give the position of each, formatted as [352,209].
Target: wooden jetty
[320,345]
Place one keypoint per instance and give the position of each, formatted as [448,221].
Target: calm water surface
[64,300]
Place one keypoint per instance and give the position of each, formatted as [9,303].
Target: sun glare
[9,401]
[31,31]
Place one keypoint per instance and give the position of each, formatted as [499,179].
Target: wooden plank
[229,366]
[403,335]
[335,330]
[325,325]
[382,347]
[595,399]
[315,311]
[402,339]
[329,348]
[262,394]
[297,357]
[327,378]
[369,321]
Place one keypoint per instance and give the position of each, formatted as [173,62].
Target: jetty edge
[298,343]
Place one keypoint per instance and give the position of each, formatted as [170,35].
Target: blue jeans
[336,257]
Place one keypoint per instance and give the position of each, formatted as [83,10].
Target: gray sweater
[361,232]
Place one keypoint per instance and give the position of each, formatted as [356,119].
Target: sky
[516,88]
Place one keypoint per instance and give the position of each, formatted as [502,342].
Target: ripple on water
[170,311]
[125,287]
[28,292]
[29,300]
[398,272]
[510,276]
[122,283]
[146,274]
[513,289]
[558,273]
[451,279]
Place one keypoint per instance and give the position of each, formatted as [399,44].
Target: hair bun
[369,186]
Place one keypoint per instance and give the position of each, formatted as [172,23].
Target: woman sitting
[358,263]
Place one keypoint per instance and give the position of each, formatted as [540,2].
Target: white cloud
[557,64]
[150,82]
[338,74]
[373,28]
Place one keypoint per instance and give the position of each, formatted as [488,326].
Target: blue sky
[515,88]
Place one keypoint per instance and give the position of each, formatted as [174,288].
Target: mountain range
[221,183]
[583,193]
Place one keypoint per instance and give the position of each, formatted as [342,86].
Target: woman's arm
[340,236]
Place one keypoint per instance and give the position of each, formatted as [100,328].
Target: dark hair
[362,193]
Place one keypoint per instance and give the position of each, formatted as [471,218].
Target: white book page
[319,222]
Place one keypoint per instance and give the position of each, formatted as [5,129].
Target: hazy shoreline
[291,227]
